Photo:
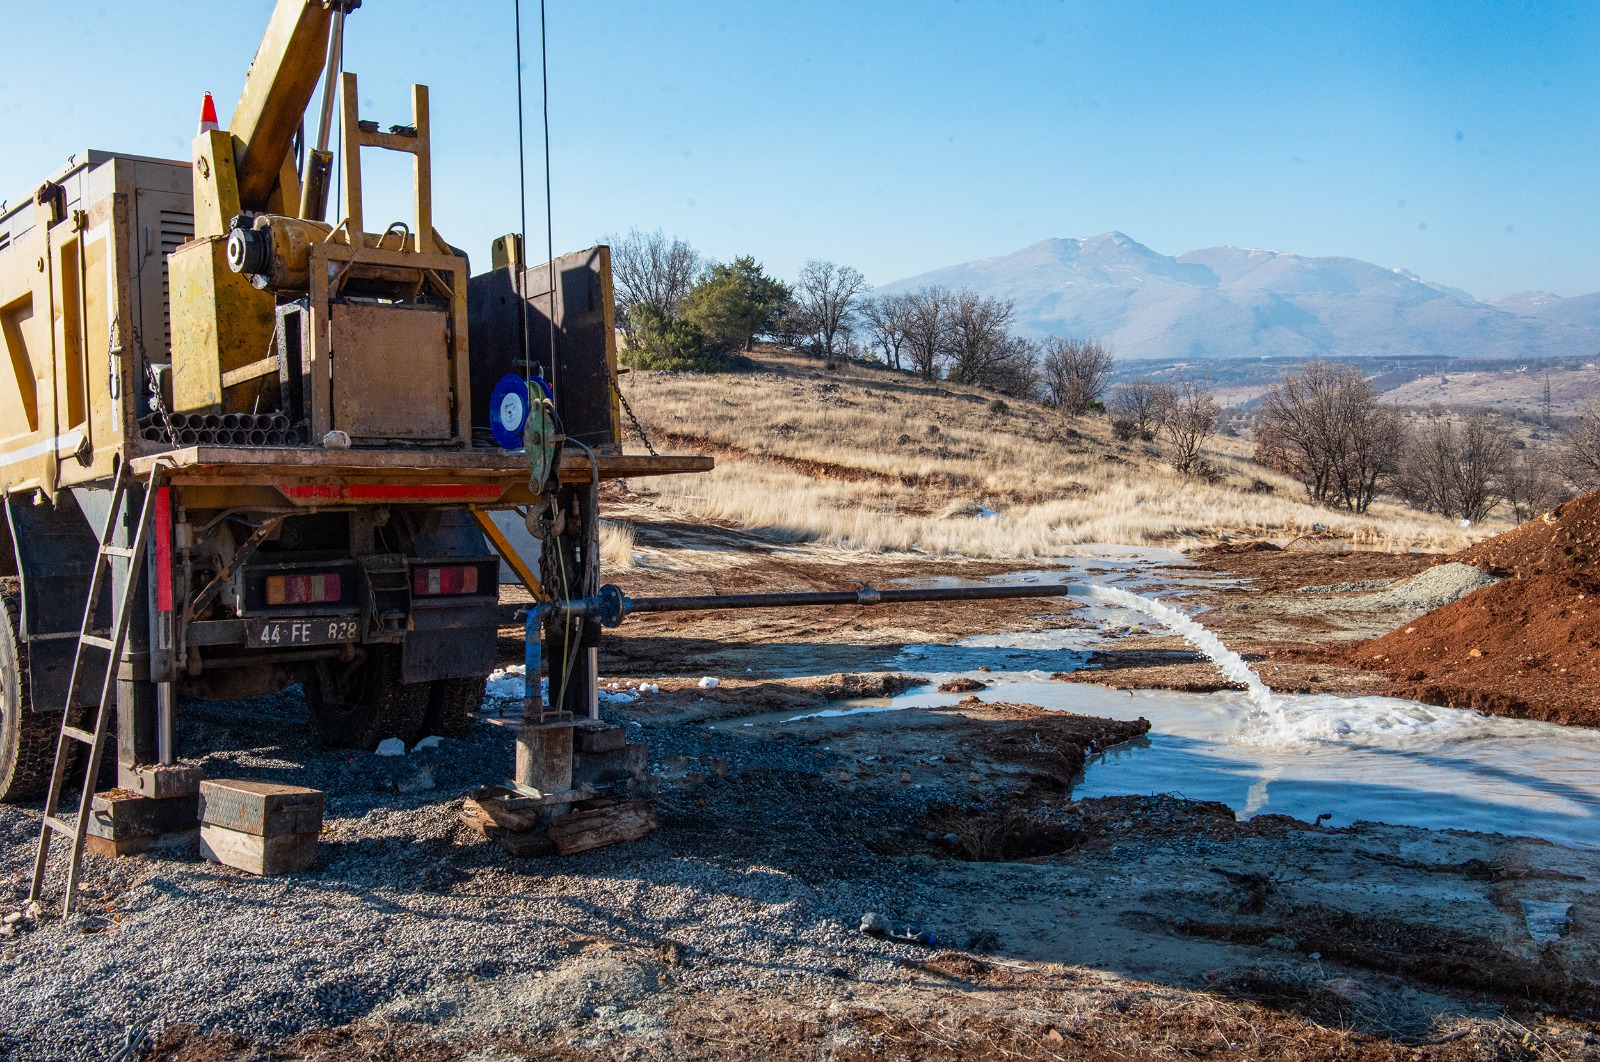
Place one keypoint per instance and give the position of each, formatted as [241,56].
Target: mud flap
[454,639]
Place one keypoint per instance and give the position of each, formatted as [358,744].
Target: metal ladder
[112,642]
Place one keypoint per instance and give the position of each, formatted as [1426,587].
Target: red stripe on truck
[368,492]
[163,530]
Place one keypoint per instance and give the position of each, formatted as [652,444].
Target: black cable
[522,206]
[549,223]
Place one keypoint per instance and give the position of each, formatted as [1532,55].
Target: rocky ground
[1053,928]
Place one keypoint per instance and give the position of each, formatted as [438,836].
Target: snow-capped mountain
[1239,302]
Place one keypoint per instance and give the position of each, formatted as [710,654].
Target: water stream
[1358,758]
[1230,663]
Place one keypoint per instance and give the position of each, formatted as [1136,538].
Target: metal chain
[153,383]
[633,418]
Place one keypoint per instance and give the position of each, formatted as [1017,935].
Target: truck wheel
[357,706]
[27,738]
[453,706]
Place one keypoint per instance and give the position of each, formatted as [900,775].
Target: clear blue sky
[1458,140]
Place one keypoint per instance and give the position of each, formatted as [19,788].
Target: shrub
[672,344]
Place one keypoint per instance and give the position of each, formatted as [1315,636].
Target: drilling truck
[245,445]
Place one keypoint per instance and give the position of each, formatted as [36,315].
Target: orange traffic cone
[208,115]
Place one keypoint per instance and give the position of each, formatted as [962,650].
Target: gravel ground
[409,914]
[1427,590]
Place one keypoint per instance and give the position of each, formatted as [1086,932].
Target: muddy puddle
[1353,758]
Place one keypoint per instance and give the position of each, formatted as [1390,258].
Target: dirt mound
[962,685]
[1527,647]
[1564,538]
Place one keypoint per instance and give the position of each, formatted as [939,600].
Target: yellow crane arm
[277,91]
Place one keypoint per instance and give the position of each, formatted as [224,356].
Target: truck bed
[314,476]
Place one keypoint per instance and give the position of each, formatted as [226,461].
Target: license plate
[278,634]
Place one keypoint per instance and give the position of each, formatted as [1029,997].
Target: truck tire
[27,738]
[357,707]
[453,706]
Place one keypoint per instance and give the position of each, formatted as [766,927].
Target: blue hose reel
[509,408]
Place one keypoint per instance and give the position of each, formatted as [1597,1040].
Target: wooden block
[284,853]
[521,840]
[263,809]
[629,763]
[115,847]
[121,815]
[161,780]
[490,807]
[580,831]
[597,739]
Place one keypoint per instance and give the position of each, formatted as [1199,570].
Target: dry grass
[870,460]
[616,546]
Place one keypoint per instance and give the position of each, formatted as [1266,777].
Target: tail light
[450,579]
[303,589]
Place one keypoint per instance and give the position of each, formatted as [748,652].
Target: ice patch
[390,747]
[709,683]
[1546,919]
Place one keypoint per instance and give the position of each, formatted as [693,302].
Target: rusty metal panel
[219,323]
[583,366]
[26,341]
[262,809]
[391,372]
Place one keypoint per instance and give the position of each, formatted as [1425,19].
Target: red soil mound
[1564,538]
[1526,647]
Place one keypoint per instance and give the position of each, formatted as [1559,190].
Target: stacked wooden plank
[579,831]
[524,825]
[260,827]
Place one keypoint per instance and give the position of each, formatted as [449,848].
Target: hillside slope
[1245,302]
[869,459]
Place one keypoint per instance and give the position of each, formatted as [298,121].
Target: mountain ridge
[1238,301]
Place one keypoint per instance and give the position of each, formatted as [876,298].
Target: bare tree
[888,319]
[1190,421]
[1484,454]
[1138,408]
[1456,470]
[1581,456]
[647,267]
[826,295]
[1075,372]
[1018,374]
[979,338]
[928,330]
[1325,426]
[1531,484]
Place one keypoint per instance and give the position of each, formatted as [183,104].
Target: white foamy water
[1359,758]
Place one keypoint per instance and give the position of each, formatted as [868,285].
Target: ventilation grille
[177,226]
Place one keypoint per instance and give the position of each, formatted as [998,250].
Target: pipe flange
[611,606]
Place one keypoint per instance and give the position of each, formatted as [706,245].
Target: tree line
[1322,424]
[678,310]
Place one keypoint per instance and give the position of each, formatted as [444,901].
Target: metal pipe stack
[225,429]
